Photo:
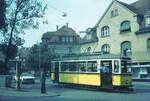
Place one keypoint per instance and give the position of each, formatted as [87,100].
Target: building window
[106,48]
[67,39]
[105,31]
[63,39]
[71,39]
[148,44]
[126,48]
[89,49]
[125,26]
[70,49]
[53,49]
[114,13]
[54,39]
[147,19]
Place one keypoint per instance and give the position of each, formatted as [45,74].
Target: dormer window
[147,21]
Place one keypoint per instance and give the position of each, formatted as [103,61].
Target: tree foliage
[39,56]
[12,50]
[2,14]
[33,58]
[21,15]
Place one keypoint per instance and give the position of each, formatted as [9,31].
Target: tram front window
[106,66]
[116,66]
[125,67]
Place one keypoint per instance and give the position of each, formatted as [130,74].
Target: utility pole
[42,72]
[39,65]
[18,72]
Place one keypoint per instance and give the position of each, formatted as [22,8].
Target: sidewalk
[27,90]
[12,92]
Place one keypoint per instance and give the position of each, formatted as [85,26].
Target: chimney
[67,24]
[57,27]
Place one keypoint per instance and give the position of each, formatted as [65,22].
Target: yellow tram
[99,70]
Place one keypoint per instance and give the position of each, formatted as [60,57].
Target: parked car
[26,78]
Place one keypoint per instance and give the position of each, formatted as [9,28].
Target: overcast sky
[81,14]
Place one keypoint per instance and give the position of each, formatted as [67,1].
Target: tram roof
[88,56]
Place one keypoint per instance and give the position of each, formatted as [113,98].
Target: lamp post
[39,65]
[18,66]
[42,70]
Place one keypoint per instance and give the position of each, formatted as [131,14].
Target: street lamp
[18,66]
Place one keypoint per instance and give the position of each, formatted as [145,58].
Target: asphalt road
[141,93]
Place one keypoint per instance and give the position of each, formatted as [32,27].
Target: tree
[13,49]
[2,14]
[39,53]
[45,57]
[39,60]
[21,16]
[33,58]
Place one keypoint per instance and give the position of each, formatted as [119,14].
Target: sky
[81,14]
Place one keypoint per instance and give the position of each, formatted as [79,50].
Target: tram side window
[116,66]
[82,66]
[64,66]
[72,66]
[92,66]
[124,67]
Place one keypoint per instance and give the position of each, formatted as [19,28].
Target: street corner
[12,92]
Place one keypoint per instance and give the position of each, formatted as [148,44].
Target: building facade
[62,41]
[125,29]
[122,29]
[89,42]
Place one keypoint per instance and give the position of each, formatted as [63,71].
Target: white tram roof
[89,56]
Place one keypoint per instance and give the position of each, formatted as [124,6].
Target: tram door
[106,73]
[56,72]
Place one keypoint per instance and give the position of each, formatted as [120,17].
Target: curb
[30,96]
[10,92]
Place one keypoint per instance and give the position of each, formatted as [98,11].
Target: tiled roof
[93,38]
[140,7]
[83,41]
[63,31]
[143,30]
[130,7]
[143,6]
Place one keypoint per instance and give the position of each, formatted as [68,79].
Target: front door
[56,77]
[106,73]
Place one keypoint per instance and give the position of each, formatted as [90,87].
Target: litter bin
[8,81]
